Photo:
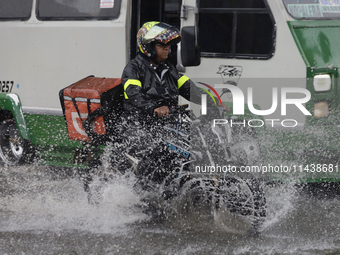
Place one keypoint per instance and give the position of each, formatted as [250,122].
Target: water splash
[39,200]
[280,199]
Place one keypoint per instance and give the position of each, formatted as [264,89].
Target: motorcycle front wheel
[240,201]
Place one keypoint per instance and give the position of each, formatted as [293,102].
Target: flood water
[44,210]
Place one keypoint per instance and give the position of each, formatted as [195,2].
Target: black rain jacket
[139,76]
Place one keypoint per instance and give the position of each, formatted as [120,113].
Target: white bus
[49,44]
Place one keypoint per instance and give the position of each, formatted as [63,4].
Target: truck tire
[13,149]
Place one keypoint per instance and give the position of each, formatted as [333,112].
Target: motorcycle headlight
[321,109]
[322,82]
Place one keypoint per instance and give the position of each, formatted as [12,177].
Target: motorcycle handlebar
[216,111]
[174,110]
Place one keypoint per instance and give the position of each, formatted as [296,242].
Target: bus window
[15,9]
[78,9]
[236,29]
[313,9]
[172,12]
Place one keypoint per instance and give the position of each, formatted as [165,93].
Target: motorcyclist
[151,69]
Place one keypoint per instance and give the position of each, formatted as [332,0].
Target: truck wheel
[12,146]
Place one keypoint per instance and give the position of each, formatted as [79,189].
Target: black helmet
[154,31]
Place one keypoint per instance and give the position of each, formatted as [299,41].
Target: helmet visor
[155,31]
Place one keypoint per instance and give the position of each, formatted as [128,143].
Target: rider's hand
[162,111]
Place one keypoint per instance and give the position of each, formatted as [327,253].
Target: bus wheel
[11,144]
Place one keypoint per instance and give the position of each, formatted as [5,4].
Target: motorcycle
[187,157]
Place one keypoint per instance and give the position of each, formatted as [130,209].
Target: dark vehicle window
[15,9]
[78,9]
[236,29]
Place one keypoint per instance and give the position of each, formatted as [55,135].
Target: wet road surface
[44,210]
